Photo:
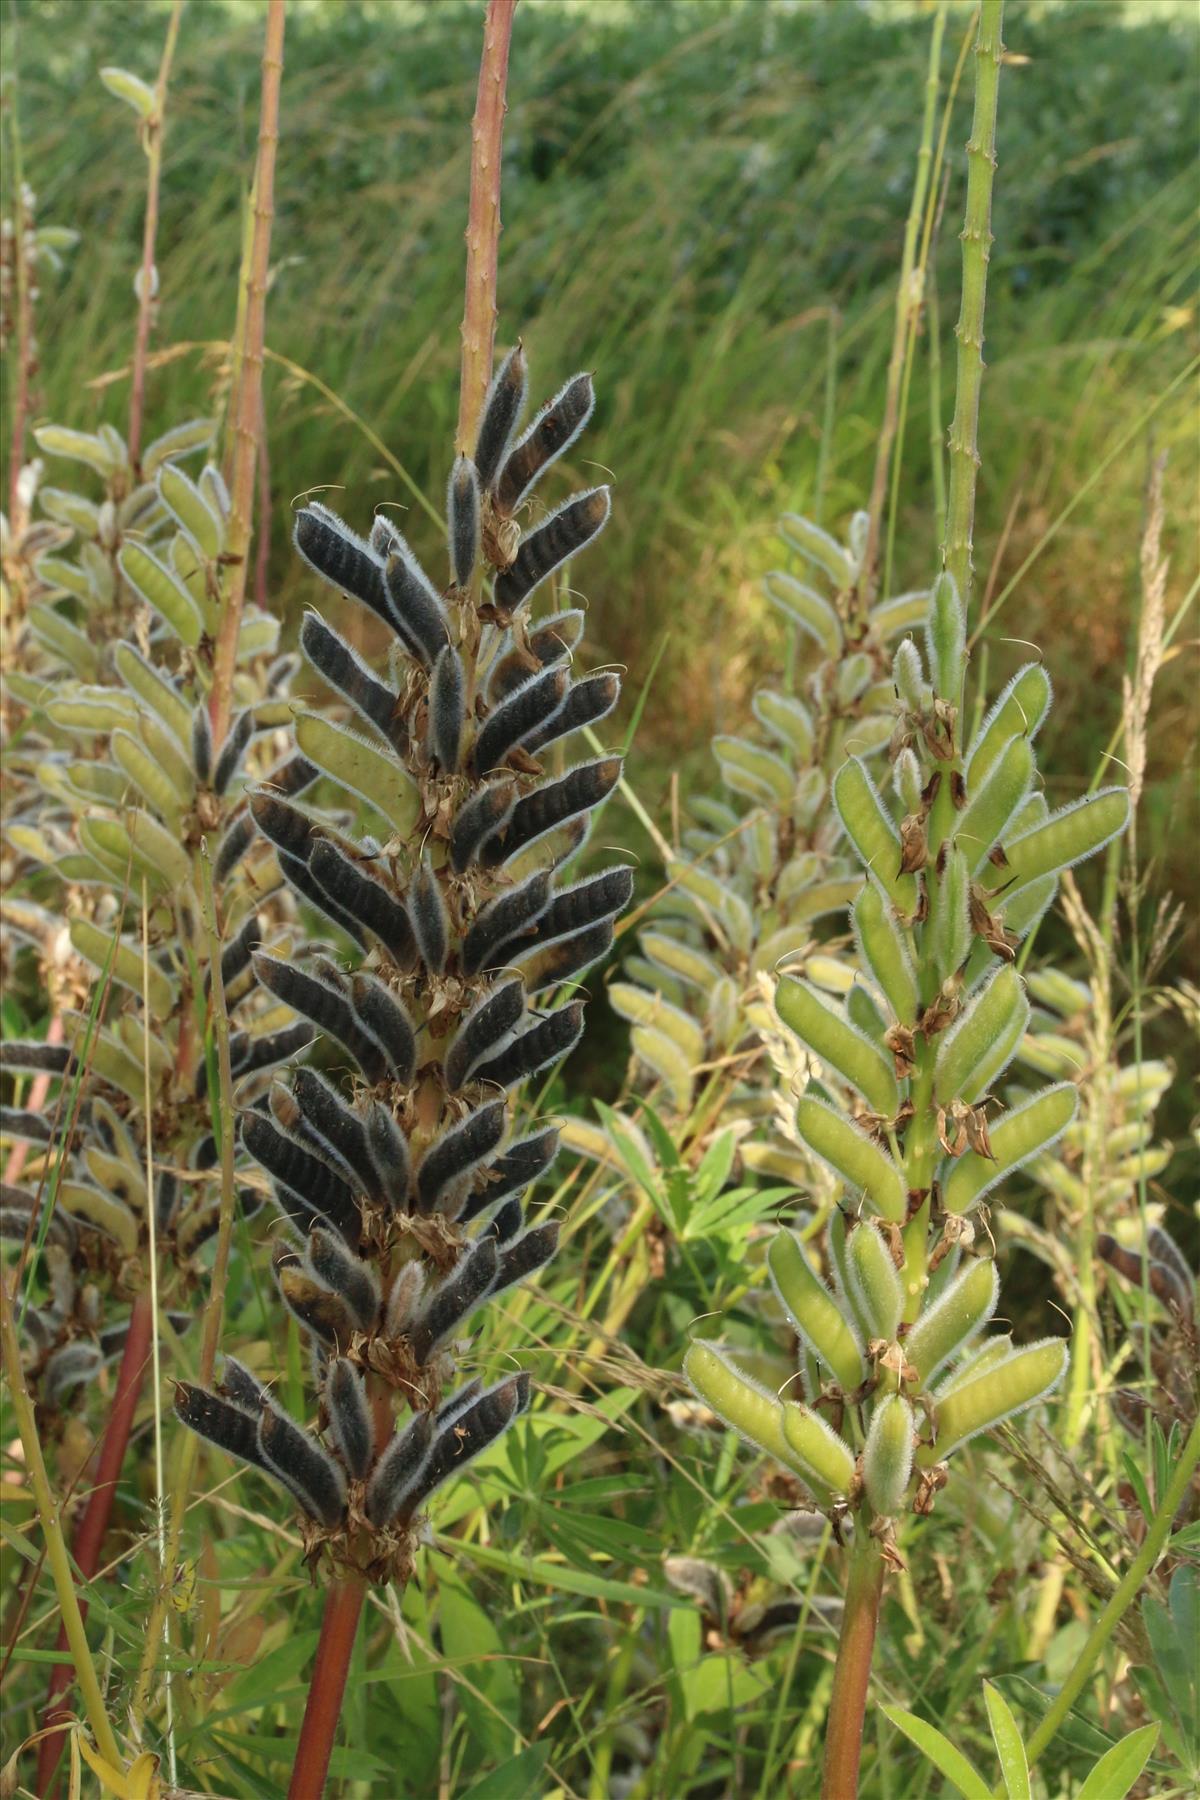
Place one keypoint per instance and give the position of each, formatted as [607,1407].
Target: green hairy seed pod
[741,1404]
[753,771]
[787,719]
[804,607]
[195,517]
[951,931]
[837,1243]
[996,1058]
[819,548]
[864,1013]
[1018,1136]
[906,779]
[359,765]
[999,1392]
[997,1012]
[96,946]
[885,951]
[888,1456]
[1018,712]
[874,1282]
[908,676]
[852,1154]
[827,1463]
[976,1361]
[962,1309]
[904,613]
[946,639]
[813,1311]
[869,827]
[993,805]
[162,590]
[833,1040]
[1065,838]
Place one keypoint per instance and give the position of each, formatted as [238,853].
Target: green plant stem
[249,392]
[1119,1602]
[154,146]
[56,1548]
[976,241]
[483,221]
[852,1674]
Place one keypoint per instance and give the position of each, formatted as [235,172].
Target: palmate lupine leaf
[398,1176]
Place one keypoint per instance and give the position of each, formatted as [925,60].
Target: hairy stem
[339,1628]
[852,1674]
[483,221]
[249,392]
[977,242]
[154,143]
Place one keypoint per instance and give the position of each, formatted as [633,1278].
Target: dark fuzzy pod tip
[350,1417]
[482,815]
[501,410]
[300,1462]
[545,1043]
[339,555]
[462,509]
[459,1150]
[219,1421]
[482,1030]
[556,427]
[564,533]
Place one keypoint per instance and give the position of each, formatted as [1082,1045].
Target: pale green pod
[258,635]
[164,746]
[850,1153]
[853,678]
[751,769]
[78,446]
[996,1011]
[90,710]
[97,781]
[149,777]
[946,639]
[952,934]
[763,844]
[888,1455]
[830,973]
[157,851]
[1000,1392]
[823,551]
[884,949]
[724,1014]
[833,1040]
[731,912]
[650,975]
[678,958]
[191,511]
[143,1045]
[1134,1136]
[113,1217]
[1066,837]
[836,1245]
[822,897]
[874,1281]
[57,572]
[805,608]
[864,1014]
[714,813]
[99,572]
[1021,911]
[741,1403]
[1144,1083]
[80,870]
[1050,1054]
[992,806]
[181,440]
[212,486]
[57,632]
[107,842]
[662,1055]
[870,734]
[815,1315]
[162,590]
[66,508]
[960,1311]
[1050,987]
[908,676]
[995,1350]
[130,88]
[151,687]
[858,537]
[995,1059]
[869,827]
[640,1008]
[356,763]
[124,960]
[1018,711]
[53,779]
[30,842]
[32,689]
[903,613]
[776,1162]
[1053,1174]
[906,781]
[827,1462]
[787,719]
[1015,1138]
[116,1176]
[1143,1167]
[809,798]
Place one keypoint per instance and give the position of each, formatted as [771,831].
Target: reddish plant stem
[483,221]
[154,127]
[249,393]
[339,1628]
[19,1153]
[852,1675]
[93,1527]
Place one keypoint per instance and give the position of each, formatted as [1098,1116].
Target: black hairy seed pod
[507,920]
[586,703]
[429,919]
[292,776]
[317,1307]
[288,827]
[365,898]
[416,608]
[202,744]
[481,1031]
[68,1369]
[397,1470]
[269,1051]
[166,1199]
[517,716]
[341,557]
[586,902]
[326,1003]
[311,1180]
[353,1280]
[405,1298]
[512,1172]
[567,957]
[447,714]
[221,1422]
[553,430]
[235,958]
[462,514]
[551,641]
[385,537]
[458,1151]
[342,667]
[553,804]
[527,1253]
[544,1043]
[389,1156]
[305,882]
[386,1023]
[562,535]
[451,1304]
[302,1465]
[31,1127]
[241,730]
[469,1433]
[349,1417]
[36,1059]
[335,1129]
[240,1386]
[506,1222]
[196,1228]
[501,409]
[478,819]
[234,845]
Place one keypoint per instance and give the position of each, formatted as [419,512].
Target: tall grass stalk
[153,130]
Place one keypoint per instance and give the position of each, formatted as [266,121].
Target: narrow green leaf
[1006,1735]
[1119,1768]
[940,1752]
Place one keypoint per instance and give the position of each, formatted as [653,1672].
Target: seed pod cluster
[958,857]
[457,939]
